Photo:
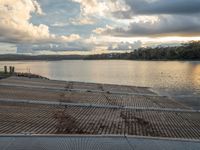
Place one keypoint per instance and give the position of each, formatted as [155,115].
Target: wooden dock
[40,106]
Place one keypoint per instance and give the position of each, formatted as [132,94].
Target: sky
[95,26]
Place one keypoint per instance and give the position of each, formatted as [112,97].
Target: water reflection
[174,77]
[196,77]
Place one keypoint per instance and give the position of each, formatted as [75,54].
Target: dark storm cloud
[157,7]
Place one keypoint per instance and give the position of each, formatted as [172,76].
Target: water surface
[180,78]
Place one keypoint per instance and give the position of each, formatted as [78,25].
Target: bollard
[10,69]
[5,70]
[13,69]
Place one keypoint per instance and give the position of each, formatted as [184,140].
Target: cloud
[83,21]
[155,7]
[70,38]
[87,6]
[37,7]
[87,9]
[125,46]
[15,26]
[54,47]
[103,30]
[90,9]
[59,24]
[155,18]
[50,24]
[166,25]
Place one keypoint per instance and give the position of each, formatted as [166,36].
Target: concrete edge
[96,136]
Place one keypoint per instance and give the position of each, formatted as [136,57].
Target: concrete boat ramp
[60,115]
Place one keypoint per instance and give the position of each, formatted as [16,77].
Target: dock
[61,109]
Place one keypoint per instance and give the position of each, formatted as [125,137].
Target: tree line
[187,51]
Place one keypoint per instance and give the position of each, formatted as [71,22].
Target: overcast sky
[94,26]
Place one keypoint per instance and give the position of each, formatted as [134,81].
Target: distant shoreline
[185,52]
[16,57]
[19,57]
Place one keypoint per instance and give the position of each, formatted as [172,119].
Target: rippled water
[170,77]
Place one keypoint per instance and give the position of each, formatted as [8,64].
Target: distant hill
[187,51]
[12,57]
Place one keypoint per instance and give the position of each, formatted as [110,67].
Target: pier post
[10,69]
[13,69]
[5,70]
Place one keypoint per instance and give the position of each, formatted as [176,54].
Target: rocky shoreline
[29,75]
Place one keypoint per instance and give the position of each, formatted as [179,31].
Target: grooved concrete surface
[16,88]
[40,106]
[55,119]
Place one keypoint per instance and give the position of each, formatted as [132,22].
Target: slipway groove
[39,106]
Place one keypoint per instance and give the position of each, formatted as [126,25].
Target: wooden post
[5,70]
[10,69]
[13,69]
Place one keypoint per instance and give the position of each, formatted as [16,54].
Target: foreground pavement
[94,143]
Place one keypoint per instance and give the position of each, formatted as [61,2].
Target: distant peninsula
[187,51]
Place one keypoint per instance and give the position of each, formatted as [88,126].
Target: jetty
[78,115]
